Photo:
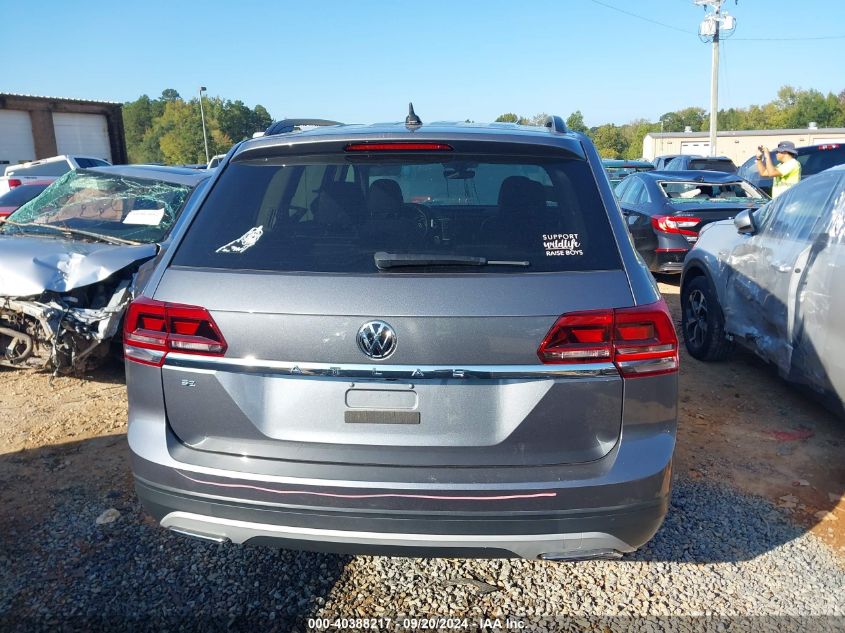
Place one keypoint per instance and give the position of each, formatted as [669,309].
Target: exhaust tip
[577,555]
[220,540]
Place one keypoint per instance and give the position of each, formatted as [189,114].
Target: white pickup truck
[45,169]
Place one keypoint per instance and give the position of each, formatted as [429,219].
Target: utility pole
[710,30]
[714,85]
[204,135]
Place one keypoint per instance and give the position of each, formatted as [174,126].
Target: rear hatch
[360,327]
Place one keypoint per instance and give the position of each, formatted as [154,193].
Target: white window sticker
[562,245]
[244,242]
[147,217]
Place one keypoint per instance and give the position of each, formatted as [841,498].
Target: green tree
[538,119]
[169,94]
[679,120]
[634,133]
[610,141]
[508,117]
[575,122]
[178,132]
[137,120]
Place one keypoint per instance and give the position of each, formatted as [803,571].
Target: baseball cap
[787,147]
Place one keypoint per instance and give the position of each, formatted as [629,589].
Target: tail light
[398,147]
[14,182]
[682,224]
[154,328]
[640,341]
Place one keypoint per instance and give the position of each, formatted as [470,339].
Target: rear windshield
[53,168]
[84,163]
[618,173]
[19,195]
[518,214]
[709,164]
[820,159]
[708,192]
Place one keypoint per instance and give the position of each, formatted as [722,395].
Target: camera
[761,149]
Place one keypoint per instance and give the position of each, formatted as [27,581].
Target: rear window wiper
[385,260]
[69,231]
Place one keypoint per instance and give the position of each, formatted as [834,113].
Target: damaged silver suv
[69,258]
[405,338]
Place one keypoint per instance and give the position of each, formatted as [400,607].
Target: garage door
[82,134]
[695,147]
[16,144]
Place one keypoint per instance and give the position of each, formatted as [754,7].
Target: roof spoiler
[285,126]
[556,125]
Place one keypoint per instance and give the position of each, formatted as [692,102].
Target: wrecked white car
[68,261]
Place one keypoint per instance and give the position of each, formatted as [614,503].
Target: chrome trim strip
[525,545]
[387,372]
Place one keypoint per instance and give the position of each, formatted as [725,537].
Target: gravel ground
[67,570]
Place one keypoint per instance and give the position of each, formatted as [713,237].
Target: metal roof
[73,99]
[732,133]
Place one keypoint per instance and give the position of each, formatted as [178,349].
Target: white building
[736,145]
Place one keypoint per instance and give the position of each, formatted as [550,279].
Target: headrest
[384,195]
[519,193]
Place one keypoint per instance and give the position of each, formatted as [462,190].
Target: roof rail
[556,125]
[286,126]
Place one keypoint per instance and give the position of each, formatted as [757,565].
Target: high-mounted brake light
[154,328]
[640,341]
[829,146]
[14,182]
[398,147]
[682,224]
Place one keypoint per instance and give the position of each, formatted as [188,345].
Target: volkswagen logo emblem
[377,339]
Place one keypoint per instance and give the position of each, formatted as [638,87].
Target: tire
[702,321]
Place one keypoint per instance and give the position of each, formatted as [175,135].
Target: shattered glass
[107,205]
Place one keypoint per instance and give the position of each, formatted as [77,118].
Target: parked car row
[45,170]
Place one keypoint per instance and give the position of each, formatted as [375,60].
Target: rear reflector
[640,341]
[14,182]
[398,147]
[154,328]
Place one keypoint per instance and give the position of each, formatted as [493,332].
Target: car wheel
[702,321]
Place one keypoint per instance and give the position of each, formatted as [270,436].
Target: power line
[788,39]
[640,17]
[736,39]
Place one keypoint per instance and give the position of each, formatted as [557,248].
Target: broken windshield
[711,192]
[100,204]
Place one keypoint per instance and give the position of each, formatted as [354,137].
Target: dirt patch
[740,424]
[42,424]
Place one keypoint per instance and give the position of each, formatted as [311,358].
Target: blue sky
[362,60]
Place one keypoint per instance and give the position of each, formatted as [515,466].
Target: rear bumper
[598,509]
[669,261]
[573,537]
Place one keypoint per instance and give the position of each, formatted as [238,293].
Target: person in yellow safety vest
[788,170]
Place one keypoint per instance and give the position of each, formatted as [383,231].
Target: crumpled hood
[31,265]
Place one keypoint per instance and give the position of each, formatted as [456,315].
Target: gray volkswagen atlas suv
[405,339]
